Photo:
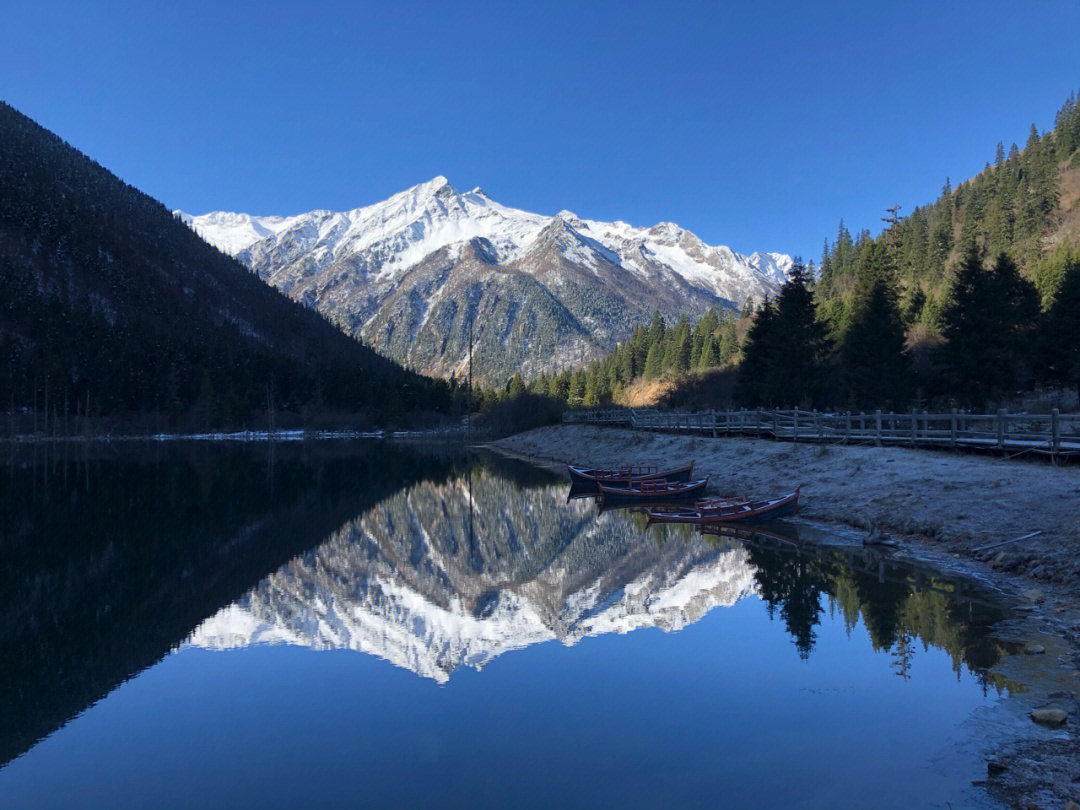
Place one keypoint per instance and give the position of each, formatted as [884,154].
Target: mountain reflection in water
[456,572]
[433,562]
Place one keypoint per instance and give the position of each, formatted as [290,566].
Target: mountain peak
[356,267]
[572,219]
[665,229]
[437,187]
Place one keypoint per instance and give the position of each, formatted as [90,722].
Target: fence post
[817,427]
[795,425]
[1001,428]
[714,423]
[847,428]
[877,426]
[1054,433]
[914,427]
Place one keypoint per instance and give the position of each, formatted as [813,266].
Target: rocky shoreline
[1015,523]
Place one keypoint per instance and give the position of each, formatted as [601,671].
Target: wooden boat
[588,479]
[650,490]
[728,511]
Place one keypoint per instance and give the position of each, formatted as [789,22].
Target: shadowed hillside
[110,305]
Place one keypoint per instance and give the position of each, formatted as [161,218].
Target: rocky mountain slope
[411,274]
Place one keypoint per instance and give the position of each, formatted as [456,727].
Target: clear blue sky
[757,125]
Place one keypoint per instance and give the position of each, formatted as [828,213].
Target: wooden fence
[1053,434]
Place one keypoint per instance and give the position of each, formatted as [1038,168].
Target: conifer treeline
[650,352]
[995,340]
[109,305]
[958,302]
[1008,207]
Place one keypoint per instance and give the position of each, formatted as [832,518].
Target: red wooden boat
[728,511]
[648,491]
[588,479]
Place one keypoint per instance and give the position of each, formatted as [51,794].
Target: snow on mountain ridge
[413,224]
[413,275]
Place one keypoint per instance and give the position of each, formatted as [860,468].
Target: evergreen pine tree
[986,323]
[677,350]
[728,346]
[753,385]
[639,350]
[657,329]
[873,366]
[796,373]
[516,386]
[654,362]
[590,396]
[576,389]
[708,357]
[1061,329]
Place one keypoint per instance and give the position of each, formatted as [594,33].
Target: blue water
[732,708]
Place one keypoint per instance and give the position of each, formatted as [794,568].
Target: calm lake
[344,625]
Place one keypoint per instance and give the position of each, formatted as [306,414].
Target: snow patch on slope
[394,235]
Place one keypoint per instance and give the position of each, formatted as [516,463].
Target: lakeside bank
[958,511]
[955,502]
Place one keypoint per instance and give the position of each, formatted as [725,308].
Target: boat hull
[586,480]
[652,492]
[733,512]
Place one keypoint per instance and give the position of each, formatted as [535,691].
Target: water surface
[354,625]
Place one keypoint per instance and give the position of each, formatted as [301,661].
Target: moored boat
[651,491]
[588,479]
[728,511]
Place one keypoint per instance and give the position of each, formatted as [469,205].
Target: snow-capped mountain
[409,275]
[440,577]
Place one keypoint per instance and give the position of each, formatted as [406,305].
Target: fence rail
[1053,433]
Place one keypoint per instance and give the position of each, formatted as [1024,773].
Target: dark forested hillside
[969,300]
[110,305]
[1025,203]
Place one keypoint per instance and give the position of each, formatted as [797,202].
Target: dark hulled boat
[733,510]
[588,479]
[652,491]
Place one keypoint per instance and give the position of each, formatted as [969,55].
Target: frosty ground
[945,507]
[961,503]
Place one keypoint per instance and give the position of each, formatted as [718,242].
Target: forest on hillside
[969,300]
[112,307]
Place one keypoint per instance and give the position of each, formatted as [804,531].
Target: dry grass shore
[942,507]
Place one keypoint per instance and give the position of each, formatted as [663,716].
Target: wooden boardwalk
[1053,434]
